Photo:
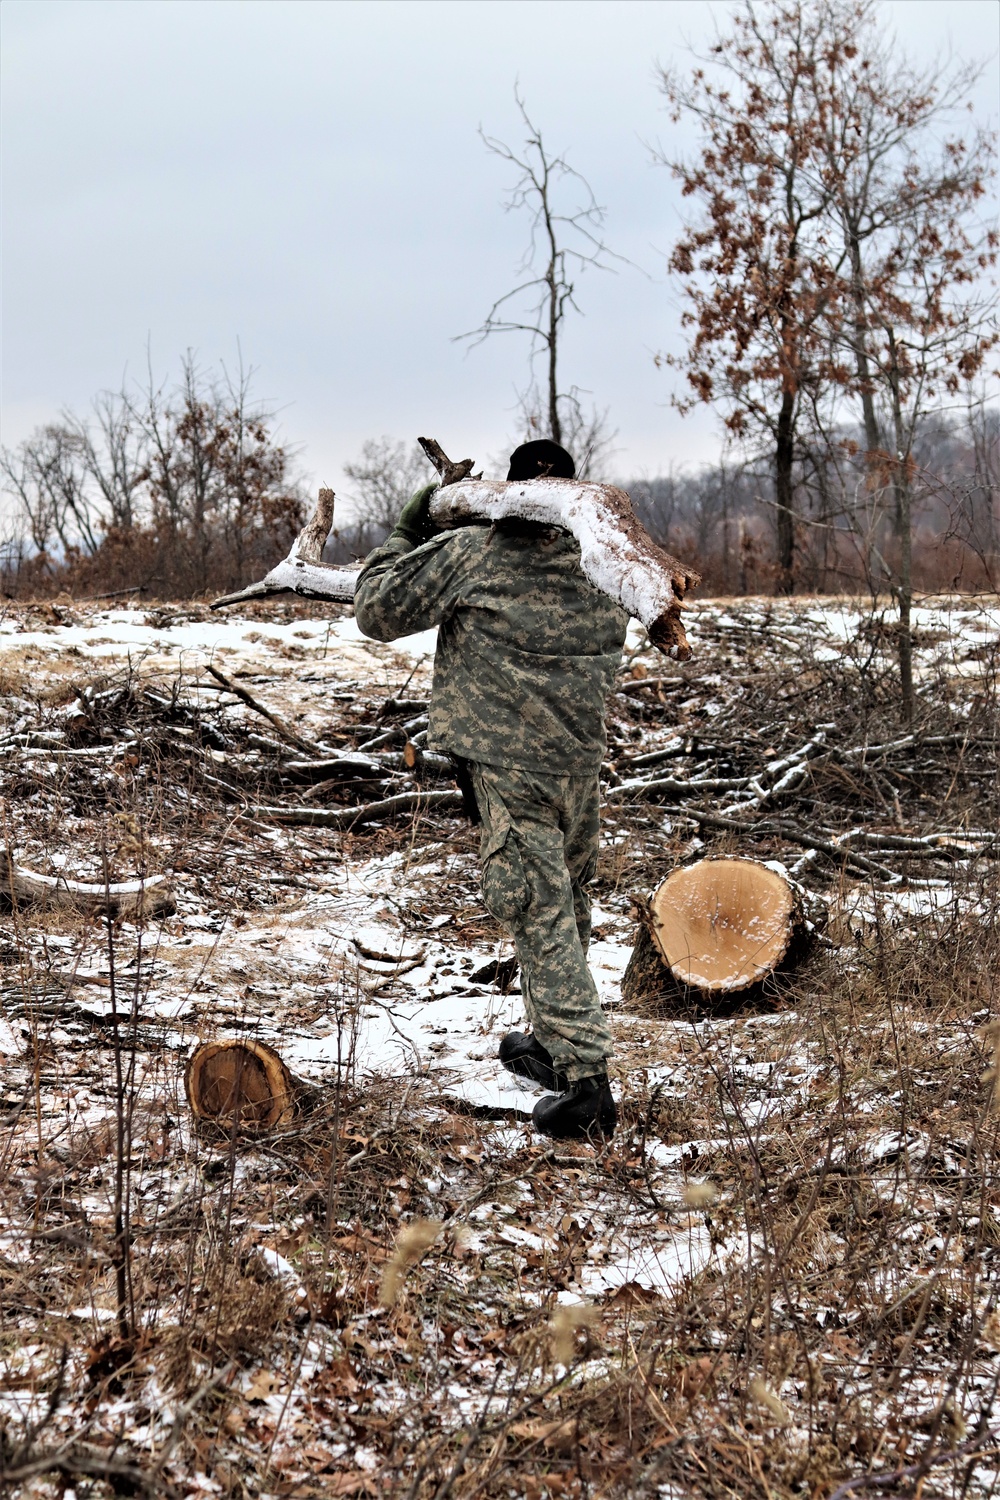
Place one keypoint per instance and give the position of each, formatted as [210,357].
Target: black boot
[525,1055]
[584,1111]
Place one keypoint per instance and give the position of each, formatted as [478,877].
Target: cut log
[151,897]
[716,927]
[424,764]
[239,1083]
[616,552]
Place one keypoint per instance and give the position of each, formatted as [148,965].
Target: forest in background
[836,276]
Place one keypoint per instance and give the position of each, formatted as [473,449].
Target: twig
[283,729]
[799,836]
[354,817]
[890,1479]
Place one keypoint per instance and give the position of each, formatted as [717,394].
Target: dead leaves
[556,1436]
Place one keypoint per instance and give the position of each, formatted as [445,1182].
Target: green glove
[415,525]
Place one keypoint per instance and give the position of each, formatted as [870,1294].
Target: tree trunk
[873,435]
[784,492]
[903,498]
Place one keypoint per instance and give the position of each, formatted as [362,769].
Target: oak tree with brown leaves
[834,268]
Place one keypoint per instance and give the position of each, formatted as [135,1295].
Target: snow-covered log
[616,552]
[302,572]
[151,897]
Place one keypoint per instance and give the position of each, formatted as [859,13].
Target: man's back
[527,648]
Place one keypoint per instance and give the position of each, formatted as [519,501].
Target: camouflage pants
[538,855]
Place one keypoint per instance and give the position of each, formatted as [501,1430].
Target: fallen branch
[616,552]
[641,684]
[890,1479]
[302,572]
[424,763]
[799,836]
[283,729]
[353,817]
[151,897]
[337,768]
[636,789]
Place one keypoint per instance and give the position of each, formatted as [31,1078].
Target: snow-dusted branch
[616,553]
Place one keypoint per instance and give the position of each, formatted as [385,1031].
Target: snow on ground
[117,634]
[374,968]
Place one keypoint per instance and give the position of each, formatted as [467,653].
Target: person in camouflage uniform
[527,650]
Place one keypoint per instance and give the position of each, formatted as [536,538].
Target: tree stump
[715,928]
[239,1083]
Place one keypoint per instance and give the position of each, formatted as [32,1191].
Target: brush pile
[779,1278]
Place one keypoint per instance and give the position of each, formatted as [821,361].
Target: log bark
[714,928]
[240,1082]
[151,897]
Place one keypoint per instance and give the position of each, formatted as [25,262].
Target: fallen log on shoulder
[715,928]
[616,552]
[151,897]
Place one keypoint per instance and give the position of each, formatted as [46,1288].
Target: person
[527,651]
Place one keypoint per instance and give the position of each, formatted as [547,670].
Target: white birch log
[616,553]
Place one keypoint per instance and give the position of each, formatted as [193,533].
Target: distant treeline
[187,492]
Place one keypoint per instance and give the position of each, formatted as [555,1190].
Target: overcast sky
[306,181]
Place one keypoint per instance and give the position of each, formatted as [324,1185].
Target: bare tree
[186,485]
[563,243]
[47,475]
[919,320]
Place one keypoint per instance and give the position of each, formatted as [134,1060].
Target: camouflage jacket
[527,648]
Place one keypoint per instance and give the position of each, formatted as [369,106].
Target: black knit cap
[541,459]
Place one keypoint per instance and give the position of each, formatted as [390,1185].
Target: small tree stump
[715,928]
[239,1082]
